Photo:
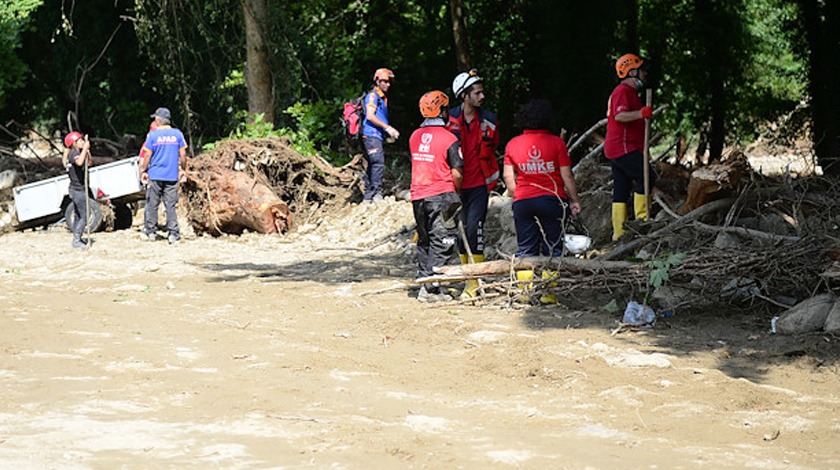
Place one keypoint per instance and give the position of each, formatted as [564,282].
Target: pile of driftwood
[257,185]
[742,240]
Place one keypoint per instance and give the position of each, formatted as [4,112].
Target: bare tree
[258,76]
[459,31]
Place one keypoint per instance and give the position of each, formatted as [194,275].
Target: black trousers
[628,172]
[437,231]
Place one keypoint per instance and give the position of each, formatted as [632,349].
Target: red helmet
[626,63]
[71,138]
[383,74]
[432,103]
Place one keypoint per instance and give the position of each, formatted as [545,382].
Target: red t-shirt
[431,173]
[623,137]
[537,156]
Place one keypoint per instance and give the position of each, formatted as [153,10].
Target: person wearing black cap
[161,169]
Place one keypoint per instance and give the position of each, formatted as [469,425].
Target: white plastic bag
[637,314]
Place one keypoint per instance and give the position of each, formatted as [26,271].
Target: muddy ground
[308,351]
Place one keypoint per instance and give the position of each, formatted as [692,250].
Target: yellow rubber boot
[471,285]
[525,275]
[640,206]
[549,298]
[619,216]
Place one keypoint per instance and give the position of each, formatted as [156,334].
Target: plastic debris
[639,315]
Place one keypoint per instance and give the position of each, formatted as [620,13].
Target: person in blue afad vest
[375,130]
[161,169]
[476,127]
[436,164]
[75,158]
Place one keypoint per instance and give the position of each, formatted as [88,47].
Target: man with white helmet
[375,130]
[476,128]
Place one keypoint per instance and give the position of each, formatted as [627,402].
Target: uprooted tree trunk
[234,202]
[257,185]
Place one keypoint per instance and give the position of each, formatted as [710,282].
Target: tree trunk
[631,34]
[223,200]
[717,57]
[717,132]
[459,32]
[819,23]
[258,75]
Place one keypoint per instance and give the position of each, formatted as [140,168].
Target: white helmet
[465,80]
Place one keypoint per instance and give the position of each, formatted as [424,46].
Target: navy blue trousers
[376,167]
[473,215]
[539,225]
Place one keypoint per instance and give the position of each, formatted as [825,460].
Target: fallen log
[453,273]
[748,232]
[709,208]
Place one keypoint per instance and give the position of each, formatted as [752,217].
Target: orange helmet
[383,74]
[626,63]
[71,138]
[432,103]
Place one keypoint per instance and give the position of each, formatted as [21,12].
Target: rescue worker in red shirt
[624,142]
[538,171]
[477,130]
[436,175]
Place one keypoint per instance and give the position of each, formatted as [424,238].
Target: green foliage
[737,60]
[251,126]
[254,127]
[750,74]
[14,18]
[661,268]
[315,126]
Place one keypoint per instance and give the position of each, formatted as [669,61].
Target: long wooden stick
[648,102]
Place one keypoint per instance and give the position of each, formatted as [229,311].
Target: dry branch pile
[754,241]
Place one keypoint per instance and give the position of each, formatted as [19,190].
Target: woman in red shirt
[538,172]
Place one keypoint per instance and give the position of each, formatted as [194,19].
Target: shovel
[646,154]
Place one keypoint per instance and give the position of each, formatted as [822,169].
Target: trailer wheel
[123,216]
[94,216]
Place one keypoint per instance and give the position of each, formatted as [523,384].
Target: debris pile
[751,242]
[257,185]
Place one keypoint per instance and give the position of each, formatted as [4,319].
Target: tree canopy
[724,66]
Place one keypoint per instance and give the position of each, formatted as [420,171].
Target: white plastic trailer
[46,200]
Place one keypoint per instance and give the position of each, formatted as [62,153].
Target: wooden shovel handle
[648,102]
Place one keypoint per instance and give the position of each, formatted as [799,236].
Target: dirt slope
[308,352]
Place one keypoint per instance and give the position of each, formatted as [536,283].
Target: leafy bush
[316,129]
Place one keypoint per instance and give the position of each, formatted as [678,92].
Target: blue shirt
[378,100]
[166,144]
